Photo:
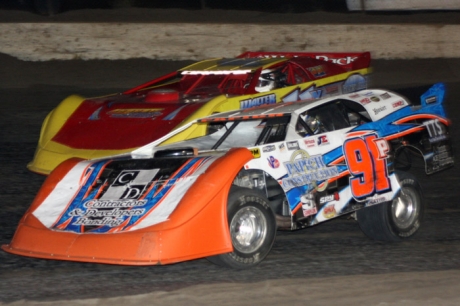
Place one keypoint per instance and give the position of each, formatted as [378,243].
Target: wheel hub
[248,229]
[404,208]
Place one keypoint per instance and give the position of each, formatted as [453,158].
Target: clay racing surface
[333,263]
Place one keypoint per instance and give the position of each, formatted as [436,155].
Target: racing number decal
[366,160]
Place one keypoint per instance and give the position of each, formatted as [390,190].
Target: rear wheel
[252,228]
[398,219]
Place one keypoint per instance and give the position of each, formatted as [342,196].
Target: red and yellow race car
[119,123]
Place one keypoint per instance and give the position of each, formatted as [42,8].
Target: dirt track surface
[398,289]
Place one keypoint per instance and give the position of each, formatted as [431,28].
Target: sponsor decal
[322,140]
[282,147]
[309,211]
[385,96]
[329,212]
[357,206]
[377,200]
[255,152]
[379,109]
[435,130]
[354,96]
[365,101]
[339,61]
[135,113]
[308,205]
[369,94]
[332,89]
[317,71]
[258,101]
[292,145]
[330,197]
[307,170]
[398,104]
[375,99]
[442,156]
[430,100]
[309,142]
[269,148]
[120,201]
[273,162]
[97,199]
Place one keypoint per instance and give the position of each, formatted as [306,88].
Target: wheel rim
[248,229]
[405,208]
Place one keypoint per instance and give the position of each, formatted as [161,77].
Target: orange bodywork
[197,228]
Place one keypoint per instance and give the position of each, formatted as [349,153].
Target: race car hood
[122,122]
[134,212]
[119,195]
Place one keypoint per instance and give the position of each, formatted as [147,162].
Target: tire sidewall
[407,182]
[240,199]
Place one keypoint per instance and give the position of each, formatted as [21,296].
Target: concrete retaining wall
[66,41]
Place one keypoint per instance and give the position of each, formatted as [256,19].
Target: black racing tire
[247,210]
[398,219]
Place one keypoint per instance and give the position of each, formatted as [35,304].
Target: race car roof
[274,110]
[231,65]
[285,109]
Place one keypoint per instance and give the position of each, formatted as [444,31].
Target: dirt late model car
[119,123]
[224,195]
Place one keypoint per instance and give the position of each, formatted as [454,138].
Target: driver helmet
[313,123]
[266,81]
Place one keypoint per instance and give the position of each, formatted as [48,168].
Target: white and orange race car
[120,123]
[223,195]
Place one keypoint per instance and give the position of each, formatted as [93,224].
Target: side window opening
[336,115]
[274,131]
[356,113]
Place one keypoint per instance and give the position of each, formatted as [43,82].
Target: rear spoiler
[434,95]
[347,60]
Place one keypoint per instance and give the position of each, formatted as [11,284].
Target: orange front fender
[197,228]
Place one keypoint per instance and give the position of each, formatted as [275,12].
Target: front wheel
[397,219]
[252,228]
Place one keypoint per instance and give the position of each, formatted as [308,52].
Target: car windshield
[239,133]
